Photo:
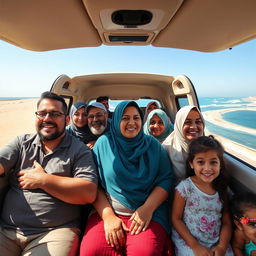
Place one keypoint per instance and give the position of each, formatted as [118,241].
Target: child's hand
[218,251]
[200,250]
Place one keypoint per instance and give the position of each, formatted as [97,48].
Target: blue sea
[246,118]
[16,98]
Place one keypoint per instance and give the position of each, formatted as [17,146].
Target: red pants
[149,242]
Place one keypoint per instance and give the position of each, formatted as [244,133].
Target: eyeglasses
[97,116]
[52,114]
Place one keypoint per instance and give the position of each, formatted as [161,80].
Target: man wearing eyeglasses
[50,174]
[98,122]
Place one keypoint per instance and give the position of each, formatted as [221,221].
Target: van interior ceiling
[90,23]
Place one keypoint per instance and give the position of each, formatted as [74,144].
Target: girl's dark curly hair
[203,144]
[242,202]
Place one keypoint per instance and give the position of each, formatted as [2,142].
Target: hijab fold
[166,121]
[177,145]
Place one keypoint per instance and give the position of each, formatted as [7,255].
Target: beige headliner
[202,25]
[127,86]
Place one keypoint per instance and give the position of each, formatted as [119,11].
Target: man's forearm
[70,190]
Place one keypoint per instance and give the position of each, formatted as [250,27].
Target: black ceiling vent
[127,39]
[131,18]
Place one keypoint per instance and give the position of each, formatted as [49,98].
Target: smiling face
[80,118]
[193,125]
[50,128]
[206,166]
[131,123]
[97,120]
[156,126]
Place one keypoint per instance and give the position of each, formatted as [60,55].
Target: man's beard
[97,131]
[52,136]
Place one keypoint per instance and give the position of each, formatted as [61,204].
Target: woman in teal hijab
[135,178]
[158,125]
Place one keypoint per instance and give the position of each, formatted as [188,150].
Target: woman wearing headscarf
[189,124]
[151,106]
[78,122]
[135,177]
[158,125]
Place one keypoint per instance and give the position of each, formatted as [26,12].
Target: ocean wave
[225,100]
[209,105]
[234,101]
[227,105]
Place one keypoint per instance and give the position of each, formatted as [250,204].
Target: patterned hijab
[166,121]
[177,145]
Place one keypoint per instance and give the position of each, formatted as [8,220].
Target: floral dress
[202,216]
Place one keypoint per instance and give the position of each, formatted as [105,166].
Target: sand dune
[17,117]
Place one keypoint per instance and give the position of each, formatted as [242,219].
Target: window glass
[141,102]
[232,120]
[182,101]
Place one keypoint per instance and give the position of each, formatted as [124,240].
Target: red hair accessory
[246,220]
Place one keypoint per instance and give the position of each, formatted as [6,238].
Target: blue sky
[226,73]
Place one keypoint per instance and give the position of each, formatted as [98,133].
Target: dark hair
[101,98]
[134,104]
[53,96]
[242,202]
[203,144]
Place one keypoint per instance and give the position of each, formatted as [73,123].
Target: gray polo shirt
[34,211]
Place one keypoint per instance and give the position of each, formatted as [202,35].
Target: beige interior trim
[201,25]
[206,25]
[43,25]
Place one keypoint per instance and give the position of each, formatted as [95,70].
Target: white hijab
[176,145]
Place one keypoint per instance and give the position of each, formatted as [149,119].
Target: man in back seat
[51,173]
[104,100]
[98,121]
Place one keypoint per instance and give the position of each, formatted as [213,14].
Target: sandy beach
[215,117]
[245,153]
[17,117]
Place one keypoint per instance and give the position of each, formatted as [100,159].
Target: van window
[141,102]
[181,102]
[232,121]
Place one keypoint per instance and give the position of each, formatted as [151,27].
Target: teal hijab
[130,168]
[168,127]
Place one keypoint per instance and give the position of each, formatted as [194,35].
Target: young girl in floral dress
[199,216]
